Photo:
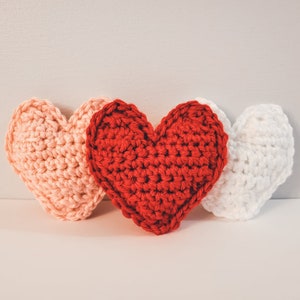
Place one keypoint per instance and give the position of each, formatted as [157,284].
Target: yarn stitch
[156,176]
[260,158]
[49,154]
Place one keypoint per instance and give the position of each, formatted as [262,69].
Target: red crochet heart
[156,176]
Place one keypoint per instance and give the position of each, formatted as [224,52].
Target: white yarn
[260,158]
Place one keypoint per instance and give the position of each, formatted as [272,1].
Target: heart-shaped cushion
[49,154]
[260,158]
[156,176]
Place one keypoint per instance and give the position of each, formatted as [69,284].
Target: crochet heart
[49,154]
[260,158]
[156,176]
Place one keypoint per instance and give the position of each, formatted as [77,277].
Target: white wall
[155,54]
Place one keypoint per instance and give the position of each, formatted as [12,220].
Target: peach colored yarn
[49,154]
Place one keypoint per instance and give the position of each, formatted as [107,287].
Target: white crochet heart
[260,158]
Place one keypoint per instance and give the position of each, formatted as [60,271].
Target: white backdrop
[155,54]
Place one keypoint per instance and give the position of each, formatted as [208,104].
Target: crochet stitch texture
[156,176]
[260,158]
[49,154]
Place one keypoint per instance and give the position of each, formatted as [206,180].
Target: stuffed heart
[260,158]
[156,176]
[49,154]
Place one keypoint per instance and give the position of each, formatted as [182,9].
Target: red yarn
[156,176]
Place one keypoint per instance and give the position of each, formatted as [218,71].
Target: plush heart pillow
[49,154]
[156,176]
[260,158]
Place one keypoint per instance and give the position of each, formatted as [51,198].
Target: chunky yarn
[260,158]
[49,154]
[156,176]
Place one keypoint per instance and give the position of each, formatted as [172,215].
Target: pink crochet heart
[49,154]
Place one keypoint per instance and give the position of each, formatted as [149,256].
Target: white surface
[155,54]
[108,257]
